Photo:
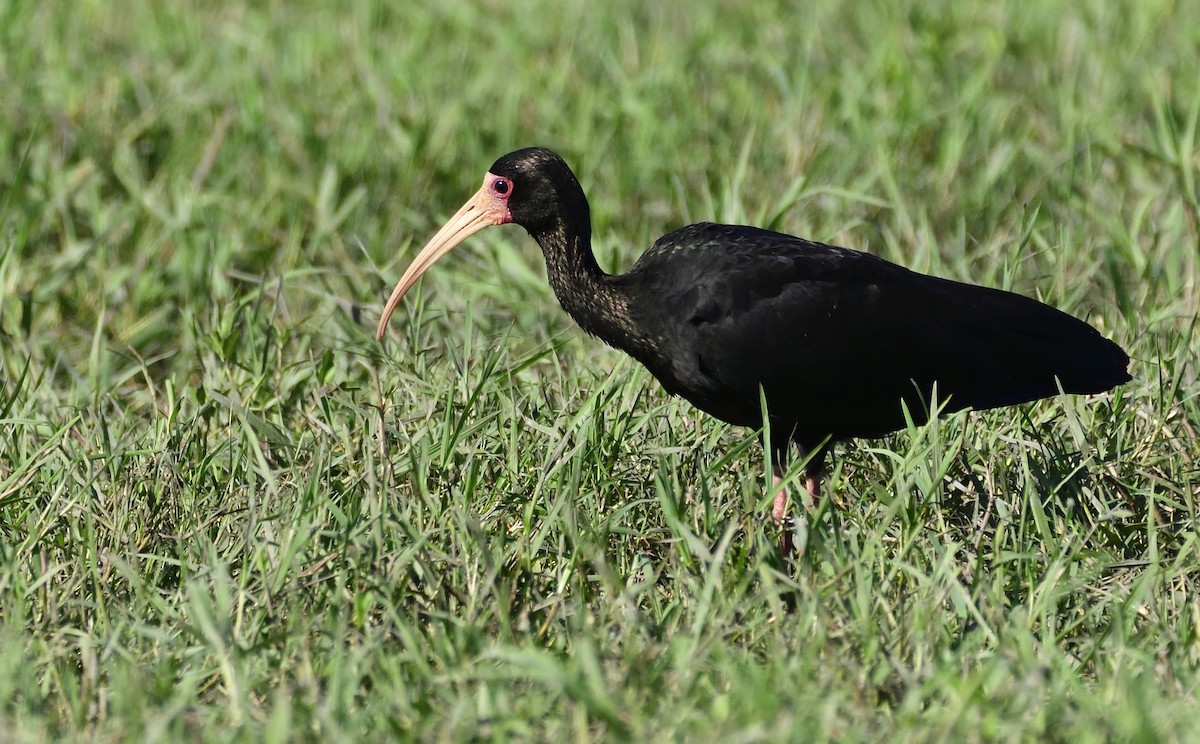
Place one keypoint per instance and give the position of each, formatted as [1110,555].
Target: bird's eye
[501,186]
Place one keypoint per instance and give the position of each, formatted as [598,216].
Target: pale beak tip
[381,329]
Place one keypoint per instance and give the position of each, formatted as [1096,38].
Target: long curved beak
[480,211]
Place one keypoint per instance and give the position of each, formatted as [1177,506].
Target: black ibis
[838,343]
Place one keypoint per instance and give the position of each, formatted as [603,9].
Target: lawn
[228,514]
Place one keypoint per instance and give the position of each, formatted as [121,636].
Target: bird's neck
[585,291]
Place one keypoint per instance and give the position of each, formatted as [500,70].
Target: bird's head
[542,188]
[532,187]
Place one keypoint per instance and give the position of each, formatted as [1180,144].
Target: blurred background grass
[228,513]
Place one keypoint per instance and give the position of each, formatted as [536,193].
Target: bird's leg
[811,499]
[782,522]
[812,482]
[779,510]
[812,472]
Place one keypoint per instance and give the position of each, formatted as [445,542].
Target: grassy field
[227,513]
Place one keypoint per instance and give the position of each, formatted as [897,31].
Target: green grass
[226,513]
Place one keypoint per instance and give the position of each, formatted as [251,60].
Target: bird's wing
[838,337]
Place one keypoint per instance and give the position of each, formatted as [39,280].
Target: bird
[832,343]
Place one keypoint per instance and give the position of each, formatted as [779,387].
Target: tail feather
[1025,350]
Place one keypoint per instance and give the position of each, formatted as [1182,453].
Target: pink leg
[779,512]
[780,508]
[813,484]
